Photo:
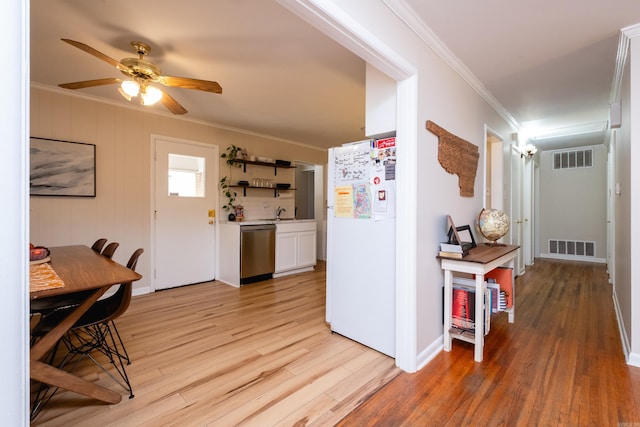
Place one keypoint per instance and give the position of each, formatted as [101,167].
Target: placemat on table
[43,277]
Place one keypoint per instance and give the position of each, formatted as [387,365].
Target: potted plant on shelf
[225,185]
[234,153]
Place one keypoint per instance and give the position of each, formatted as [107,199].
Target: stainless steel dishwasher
[257,252]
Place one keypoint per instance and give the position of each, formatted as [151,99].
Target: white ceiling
[550,63]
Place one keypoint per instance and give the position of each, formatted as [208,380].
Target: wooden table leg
[46,343]
[478,349]
[448,283]
[53,376]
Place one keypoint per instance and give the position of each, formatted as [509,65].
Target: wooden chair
[99,244]
[110,249]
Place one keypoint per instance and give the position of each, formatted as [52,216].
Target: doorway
[305,191]
[309,181]
[184,201]
[494,170]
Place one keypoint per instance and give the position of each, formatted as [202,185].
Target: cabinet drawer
[295,227]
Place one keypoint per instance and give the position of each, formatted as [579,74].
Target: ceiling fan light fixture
[139,73]
[124,94]
[131,88]
[150,95]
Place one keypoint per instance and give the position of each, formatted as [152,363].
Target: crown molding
[632,30]
[626,34]
[417,25]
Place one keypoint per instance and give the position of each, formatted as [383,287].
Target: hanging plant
[234,153]
[231,195]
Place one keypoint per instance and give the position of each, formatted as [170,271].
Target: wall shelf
[275,189]
[275,166]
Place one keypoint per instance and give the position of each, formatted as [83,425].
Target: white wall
[627,210]
[121,211]
[14,107]
[573,203]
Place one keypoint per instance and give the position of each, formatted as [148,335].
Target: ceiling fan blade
[187,83]
[98,54]
[171,104]
[90,83]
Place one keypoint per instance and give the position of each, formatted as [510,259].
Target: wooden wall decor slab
[457,156]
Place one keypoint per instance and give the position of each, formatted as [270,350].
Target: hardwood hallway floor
[213,355]
[560,364]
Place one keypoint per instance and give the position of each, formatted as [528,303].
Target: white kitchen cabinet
[286,251]
[295,247]
[229,253]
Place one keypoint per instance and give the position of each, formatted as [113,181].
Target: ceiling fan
[140,74]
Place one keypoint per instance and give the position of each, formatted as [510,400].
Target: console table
[480,260]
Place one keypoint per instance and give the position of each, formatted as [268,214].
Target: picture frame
[462,235]
[61,168]
[465,235]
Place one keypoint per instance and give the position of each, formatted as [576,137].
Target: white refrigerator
[361,243]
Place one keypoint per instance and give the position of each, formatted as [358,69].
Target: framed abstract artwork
[62,168]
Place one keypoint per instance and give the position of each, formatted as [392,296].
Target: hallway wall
[573,204]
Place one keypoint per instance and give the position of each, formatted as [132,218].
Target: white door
[527,211]
[516,209]
[186,194]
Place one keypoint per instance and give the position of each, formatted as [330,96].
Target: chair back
[114,306]
[122,297]
[99,244]
[110,249]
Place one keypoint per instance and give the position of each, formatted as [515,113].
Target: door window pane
[186,176]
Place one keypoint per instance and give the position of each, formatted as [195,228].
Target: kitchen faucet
[279,211]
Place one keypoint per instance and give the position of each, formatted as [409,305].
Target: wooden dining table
[87,273]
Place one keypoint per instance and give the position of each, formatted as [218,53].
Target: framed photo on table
[460,235]
[465,236]
[62,168]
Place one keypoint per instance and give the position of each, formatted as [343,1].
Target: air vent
[572,159]
[572,247]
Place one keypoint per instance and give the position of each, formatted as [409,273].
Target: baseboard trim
[626,346]
[141,291]
[430,352]
[574,258]
[634,360]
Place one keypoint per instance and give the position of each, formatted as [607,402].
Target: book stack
[498,296]
[452,250]
[503,276]
[463,306]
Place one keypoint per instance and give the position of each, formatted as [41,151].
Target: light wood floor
[212,354]
[262,355]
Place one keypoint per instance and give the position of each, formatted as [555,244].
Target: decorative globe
[493,224]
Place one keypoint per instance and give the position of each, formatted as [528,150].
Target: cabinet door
[306,248]
[286,251]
